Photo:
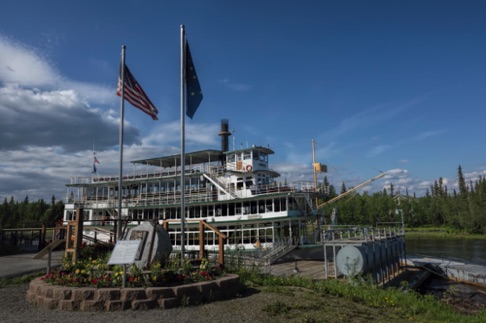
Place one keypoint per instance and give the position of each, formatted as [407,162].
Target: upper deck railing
[168,197]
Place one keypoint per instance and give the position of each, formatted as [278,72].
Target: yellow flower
[83,271]
[76,271]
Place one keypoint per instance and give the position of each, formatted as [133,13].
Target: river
[469,251]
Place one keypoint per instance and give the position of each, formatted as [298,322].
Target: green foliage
[403,302]
[26,214]
[463,211]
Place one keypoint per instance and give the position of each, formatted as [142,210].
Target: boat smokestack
[224,135]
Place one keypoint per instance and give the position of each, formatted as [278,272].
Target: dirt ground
[254,305]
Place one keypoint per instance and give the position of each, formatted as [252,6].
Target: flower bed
[71,298]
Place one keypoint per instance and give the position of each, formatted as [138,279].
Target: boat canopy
[197,157]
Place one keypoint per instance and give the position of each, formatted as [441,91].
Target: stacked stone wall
[116,299]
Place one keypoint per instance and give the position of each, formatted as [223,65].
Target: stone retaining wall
[115,299]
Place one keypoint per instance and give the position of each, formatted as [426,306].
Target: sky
[381,86]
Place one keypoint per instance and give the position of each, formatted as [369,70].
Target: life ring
[249,168]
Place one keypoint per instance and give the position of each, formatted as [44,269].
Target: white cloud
[19,64]
[49,125]
[427,134]
[238,87]
[378,150]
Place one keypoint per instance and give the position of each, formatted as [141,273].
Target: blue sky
[395,86]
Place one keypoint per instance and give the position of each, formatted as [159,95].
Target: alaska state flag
[193,89]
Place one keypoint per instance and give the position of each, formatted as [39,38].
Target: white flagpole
[122,117]
[183,148]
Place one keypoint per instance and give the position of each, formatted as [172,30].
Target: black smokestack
[224,135]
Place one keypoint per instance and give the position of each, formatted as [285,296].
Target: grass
[303,300]
[19,280]
[442,232]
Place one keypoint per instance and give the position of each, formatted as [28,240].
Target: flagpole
[122,117]
[183,148]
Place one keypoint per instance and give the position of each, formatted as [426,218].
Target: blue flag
[193,89]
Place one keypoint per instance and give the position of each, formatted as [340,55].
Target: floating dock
[458,271]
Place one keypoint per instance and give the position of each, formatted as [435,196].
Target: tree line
[26,214]
[462,210]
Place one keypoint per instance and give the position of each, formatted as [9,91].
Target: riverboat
[234,191]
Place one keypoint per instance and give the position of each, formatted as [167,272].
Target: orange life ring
[249,168]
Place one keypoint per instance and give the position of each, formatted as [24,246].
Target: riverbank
[442,232]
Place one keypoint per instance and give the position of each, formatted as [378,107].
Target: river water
[464,296]
[469,251]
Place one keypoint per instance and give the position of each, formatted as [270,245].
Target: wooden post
[201,240]
[221,251]
[73,244]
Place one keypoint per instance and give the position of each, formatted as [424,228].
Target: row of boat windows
[162,187]
[235,235]
[259,156]
[226,209]
[255,207]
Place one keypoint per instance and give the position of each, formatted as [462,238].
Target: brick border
[115,299]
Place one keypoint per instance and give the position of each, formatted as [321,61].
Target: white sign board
[124,252]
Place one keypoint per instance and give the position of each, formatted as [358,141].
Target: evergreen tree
[462,181]
[343,188]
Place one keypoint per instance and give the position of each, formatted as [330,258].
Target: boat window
[247,155]
[253,207]
[268,205]
[261,207]
[246,207]
[256,155]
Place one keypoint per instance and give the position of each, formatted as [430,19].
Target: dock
[458,271]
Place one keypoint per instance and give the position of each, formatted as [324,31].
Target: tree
[343,188]
[462,181]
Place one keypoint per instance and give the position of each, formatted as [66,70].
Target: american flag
[134,94]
